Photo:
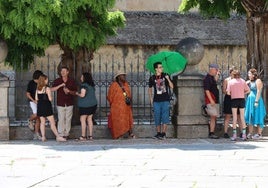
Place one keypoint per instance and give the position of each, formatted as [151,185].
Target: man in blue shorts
[160,100]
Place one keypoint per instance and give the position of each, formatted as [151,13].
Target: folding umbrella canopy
[172,62]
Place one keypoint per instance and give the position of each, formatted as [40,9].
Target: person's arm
[70,87]
[207,83]
[212,102]
[82,93]
[48,92]
[55,88]
[68,91]
[169,82]
[36,96]
[28,95]
[259,86]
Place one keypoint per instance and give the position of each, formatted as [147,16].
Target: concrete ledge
[4,132]
[99,132]
[192,131]
[141,131]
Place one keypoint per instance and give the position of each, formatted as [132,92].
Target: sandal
[44,139]
[90,137]
[82,138]
[60,139]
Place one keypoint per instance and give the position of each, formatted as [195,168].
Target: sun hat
[119,72]
[213,65]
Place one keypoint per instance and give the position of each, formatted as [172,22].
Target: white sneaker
[244,137]
[233,138]
[256,137]
[249,136]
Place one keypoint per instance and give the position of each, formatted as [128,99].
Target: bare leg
[54,129]
[43,128]
[212,124]
[90,126]
[226,122]
[158,128]
[259,130]
[250,131]
[239,123]
[164,128]
[83,125]
[242,118]
[243,123]
[33,117]
[37,125]
[234,113]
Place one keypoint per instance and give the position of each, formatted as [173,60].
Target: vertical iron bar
[100,86]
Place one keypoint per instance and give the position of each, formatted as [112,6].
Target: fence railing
[103,71]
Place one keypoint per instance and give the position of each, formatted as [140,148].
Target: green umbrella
[172,62]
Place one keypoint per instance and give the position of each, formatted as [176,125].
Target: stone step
[141,131]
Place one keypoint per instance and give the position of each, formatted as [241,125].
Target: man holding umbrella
[160,100]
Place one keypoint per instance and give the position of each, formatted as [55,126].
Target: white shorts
[33,107]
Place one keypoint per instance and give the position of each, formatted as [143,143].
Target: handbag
[127,99]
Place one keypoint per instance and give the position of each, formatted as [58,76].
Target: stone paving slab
[142,163]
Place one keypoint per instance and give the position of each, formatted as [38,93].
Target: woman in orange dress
[121,119]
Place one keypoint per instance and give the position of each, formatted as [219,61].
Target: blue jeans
[161,113]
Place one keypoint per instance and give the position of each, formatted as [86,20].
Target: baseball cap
[213,65]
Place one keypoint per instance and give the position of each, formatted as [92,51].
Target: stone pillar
[189,121]
[4,119]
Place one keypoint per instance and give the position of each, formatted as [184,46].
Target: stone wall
[147,5]
[168,28]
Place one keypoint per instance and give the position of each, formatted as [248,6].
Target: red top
[62,98]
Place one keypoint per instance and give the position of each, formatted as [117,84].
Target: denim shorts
[161,113]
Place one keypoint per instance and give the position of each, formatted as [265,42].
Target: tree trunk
[257,43]
[257,34]
[257,40]
[77,63]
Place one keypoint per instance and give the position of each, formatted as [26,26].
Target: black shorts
[238,103]
[88,110]
[227,109]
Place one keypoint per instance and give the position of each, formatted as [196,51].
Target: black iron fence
[103,70]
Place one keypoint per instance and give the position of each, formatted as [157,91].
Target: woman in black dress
[44,107]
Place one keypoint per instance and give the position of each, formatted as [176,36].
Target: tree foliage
[217,8]
[256,22]
[30,26]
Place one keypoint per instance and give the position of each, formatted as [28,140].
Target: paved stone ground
[139,163]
